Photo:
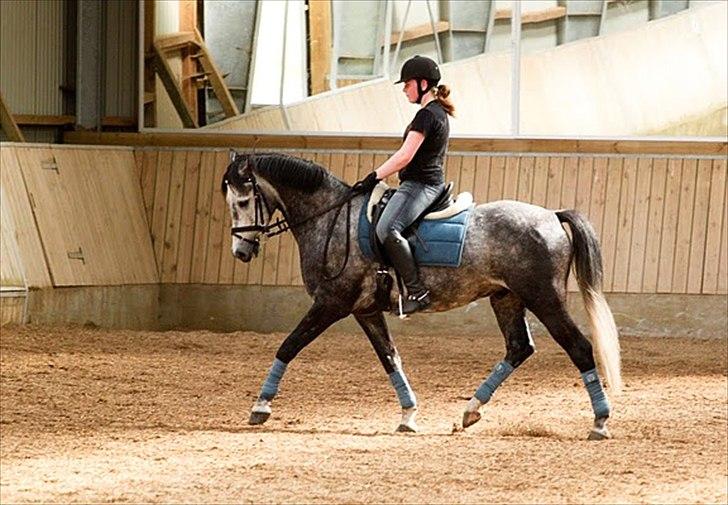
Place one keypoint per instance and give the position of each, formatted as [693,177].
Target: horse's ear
[233,154]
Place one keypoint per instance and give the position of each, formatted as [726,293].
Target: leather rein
[280,226]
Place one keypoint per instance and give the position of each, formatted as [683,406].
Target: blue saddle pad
[443,239]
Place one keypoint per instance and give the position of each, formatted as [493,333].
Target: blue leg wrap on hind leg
[270,386]
[500,373]
[404,391]
[598,398]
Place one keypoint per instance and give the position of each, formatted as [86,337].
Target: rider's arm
[402,157]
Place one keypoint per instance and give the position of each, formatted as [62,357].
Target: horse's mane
[278,169]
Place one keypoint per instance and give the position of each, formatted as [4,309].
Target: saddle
[436,237]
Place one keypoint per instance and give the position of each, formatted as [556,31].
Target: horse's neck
[299,205]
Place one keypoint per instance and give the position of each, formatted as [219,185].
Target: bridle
[282,225]
[259,225]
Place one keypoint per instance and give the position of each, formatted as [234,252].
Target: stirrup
[413,303]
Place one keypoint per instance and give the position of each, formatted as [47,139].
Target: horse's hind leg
[511,315]
[551,311]
[375,327]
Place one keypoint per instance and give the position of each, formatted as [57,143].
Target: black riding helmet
[420,67]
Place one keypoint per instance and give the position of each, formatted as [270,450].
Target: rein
[280,226]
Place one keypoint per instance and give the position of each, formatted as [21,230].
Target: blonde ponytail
[442,92]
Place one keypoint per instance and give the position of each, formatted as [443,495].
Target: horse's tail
[588,267]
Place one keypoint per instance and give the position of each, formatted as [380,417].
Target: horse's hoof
[470,418]
[406,428]
[599,434]
[258,417]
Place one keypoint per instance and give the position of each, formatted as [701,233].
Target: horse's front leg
[318,318]
[375,326]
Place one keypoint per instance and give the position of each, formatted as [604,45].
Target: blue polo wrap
[270,386]
[405,394]
[500,373]
[598,398]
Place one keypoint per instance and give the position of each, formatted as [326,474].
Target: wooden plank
[467,174]
[216,240]
[699,227]
[211,138]
[584,185]
[172,225]
[684,226]
[44,120]
[351,168]
[611,219]
[495,181]
[534,16]
[482,179]
[723,262]
[669,226]
[510,178]
[148,181]
[716,222]
[216,79]
[570,181]
[171,84]
[11,266]
[526,179]
[319,16]
[654,226]
[452,171]
[540,181]
[120,181]
[625,226]
[7,121]
[553,185]
[57,229]
[203,211]
[419,31]
[639,226]
[16,198]
[597,197]
[187,221]
[161,199]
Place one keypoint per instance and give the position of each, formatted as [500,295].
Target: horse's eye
[242,204]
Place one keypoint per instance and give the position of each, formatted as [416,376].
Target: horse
[517,254]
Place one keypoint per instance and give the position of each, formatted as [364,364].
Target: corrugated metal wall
[32,55]
[121,59]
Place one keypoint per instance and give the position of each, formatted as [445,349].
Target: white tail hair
[604,338]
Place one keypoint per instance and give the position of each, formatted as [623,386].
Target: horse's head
[249,205]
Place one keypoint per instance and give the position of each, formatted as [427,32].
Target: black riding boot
[400,255]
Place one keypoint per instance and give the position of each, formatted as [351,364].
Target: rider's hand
[367,183]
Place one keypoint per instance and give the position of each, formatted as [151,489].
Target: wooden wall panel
[85,203]
[17,201]
[661,220]
[11,264]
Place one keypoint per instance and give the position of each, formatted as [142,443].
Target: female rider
[419,162]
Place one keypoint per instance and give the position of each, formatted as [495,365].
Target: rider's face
[410,89]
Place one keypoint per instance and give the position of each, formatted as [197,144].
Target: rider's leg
[511,315]
[406,205]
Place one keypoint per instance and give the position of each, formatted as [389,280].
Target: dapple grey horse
[517,254]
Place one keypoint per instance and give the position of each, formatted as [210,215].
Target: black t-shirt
[426,165]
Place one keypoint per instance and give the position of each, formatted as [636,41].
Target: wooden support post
[171,84]
[188,23]
[319,16]
[10,127]
[150,113]
[216,79]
